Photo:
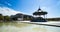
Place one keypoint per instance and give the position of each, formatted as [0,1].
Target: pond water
[23,27]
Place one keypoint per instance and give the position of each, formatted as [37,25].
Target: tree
[6,18]
[1,17]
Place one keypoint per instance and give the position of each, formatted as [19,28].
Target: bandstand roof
[40,12]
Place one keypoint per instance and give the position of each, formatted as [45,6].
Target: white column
[22,17]
[44,16]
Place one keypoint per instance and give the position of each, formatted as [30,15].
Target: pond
[24,27]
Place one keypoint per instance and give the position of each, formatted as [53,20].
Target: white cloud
[8,11]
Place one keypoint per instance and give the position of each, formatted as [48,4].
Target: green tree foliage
[6,18]
[1,17]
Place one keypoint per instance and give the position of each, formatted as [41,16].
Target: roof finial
[39,8]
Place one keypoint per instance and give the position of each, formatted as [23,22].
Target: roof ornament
[39,9]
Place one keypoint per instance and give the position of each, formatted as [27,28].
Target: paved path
[57,23]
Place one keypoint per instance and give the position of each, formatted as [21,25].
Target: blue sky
[30,6]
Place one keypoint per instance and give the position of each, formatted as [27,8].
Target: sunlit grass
[39,29]
[25,27]
[16,24]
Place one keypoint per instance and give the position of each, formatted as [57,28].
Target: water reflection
[23,27]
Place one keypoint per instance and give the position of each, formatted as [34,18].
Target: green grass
[16,24]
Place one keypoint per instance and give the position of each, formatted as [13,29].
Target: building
[21,17]
[38,16]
